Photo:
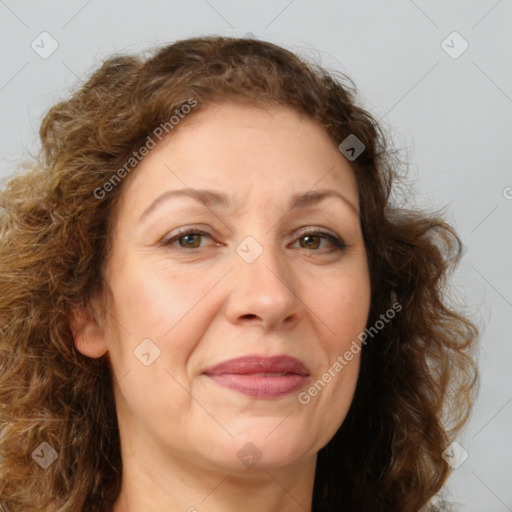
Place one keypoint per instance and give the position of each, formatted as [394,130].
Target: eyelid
[315,229]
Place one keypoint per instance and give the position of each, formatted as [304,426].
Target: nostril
[250,316]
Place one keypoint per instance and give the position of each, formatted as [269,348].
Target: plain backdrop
[447,106]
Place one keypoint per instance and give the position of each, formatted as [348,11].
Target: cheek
[161,305]
[343,306]
[148,303]
[167,309]
[344,310]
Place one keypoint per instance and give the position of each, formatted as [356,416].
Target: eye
[187,239]
[313,239]
[191,239]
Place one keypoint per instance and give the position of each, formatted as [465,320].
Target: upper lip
[258,364]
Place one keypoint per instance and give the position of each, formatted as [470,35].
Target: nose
[264,292]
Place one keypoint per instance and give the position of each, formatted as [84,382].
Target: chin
[263,448]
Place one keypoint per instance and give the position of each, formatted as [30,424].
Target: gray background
[451,116]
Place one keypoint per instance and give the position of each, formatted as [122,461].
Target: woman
[209,301]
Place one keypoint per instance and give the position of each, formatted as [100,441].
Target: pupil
[310,241]
[189,239]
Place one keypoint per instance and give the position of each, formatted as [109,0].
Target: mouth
[261,377]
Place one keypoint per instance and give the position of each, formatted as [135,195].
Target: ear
[88,327]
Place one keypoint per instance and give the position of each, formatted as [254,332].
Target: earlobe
[88,330]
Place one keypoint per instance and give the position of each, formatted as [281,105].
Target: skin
[181,431]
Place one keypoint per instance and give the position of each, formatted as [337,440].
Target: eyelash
[339,245]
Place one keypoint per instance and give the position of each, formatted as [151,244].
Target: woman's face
[251,281]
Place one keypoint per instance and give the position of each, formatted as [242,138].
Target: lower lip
[261,386]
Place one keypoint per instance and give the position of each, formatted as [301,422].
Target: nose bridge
[262,262]
[262,285]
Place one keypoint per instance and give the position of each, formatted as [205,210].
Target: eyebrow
[212,198]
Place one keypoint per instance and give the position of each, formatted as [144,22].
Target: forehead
[243,150]
[252,124]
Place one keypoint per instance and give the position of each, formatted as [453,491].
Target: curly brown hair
[418,377]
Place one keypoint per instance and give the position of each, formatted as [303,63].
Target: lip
[260,377]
